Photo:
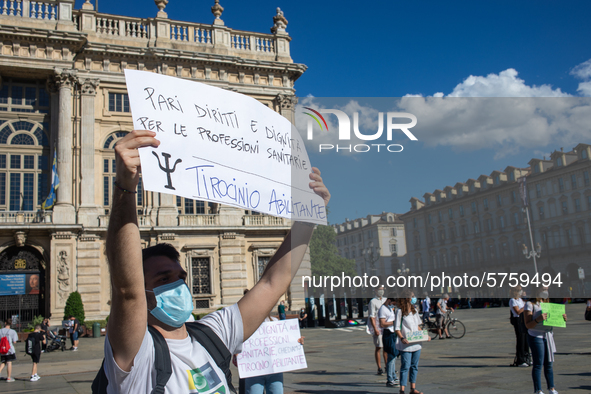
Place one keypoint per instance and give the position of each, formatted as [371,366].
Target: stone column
[287,105]
[167,211]
[88,212]
[232,267]
[64,211]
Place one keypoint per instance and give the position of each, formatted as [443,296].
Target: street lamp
[370,256]
[535,254]
[403,270]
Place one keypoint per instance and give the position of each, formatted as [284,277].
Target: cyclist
[441,310]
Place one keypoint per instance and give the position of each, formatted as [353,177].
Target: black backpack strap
[214,346]
[161,361]
[100,383]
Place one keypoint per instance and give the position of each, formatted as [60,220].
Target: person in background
[75,323]
[426,305]
[441,310]
[387,317]
[408,321]
[45,330]
[374,328]
[303,318]
[517,306]
[588,310]
[281,310]
[35,352]
[541,341]
[11,355]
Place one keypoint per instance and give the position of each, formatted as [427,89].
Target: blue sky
[395,48]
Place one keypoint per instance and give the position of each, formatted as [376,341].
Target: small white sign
[581,273]
[418,336]
[221,146]
[271,349]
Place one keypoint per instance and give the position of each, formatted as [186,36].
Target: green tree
[324,255]
[74,307]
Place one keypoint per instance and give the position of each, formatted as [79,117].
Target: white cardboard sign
[221,146]
[271,349]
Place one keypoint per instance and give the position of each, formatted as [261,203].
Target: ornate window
[24,163]
[201,275]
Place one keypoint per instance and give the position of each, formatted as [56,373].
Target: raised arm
[281,269]
[128,318]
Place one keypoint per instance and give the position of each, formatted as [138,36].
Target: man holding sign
[148,289]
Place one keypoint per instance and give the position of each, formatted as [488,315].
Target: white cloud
[583,71]
[497,111]
[505,84]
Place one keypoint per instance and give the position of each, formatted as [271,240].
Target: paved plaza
[341,361]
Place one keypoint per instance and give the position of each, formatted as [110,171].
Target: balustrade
[45,10]
[26,217]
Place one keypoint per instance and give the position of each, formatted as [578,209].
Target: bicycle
[455,328]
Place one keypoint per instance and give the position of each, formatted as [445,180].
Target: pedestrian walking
[588,310]
[426,306]
[408,321]
[541,341]
[8,337]
[281,310]
[386,314]
[33,349]
[374,328]
[517,306]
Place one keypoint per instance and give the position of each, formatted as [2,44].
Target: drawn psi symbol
[167,168]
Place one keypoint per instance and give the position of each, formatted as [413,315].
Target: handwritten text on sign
[222,147]
[417,336]
[555,312]
[272,348]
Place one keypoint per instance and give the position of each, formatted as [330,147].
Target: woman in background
[541,341]
[408,321]
[517,306]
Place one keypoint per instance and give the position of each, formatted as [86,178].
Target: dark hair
[245,291]
[166,250]
[8,322]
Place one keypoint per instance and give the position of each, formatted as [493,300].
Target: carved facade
[63,92]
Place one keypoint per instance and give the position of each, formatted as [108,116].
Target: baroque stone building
[376,243]
[480,225]
[63,90]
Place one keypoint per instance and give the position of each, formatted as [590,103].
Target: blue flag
[55,182]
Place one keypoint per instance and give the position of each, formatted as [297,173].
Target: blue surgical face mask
[391,306]
[413,300]
[174,303]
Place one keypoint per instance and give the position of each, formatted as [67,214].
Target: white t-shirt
[515,302]
[12,338]
[540,330]
[386,313]
[374,305]
[410,323]
[193,369]
[443,305]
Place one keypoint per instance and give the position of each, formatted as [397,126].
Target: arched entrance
[22,284]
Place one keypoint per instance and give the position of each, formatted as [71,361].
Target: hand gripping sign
[271,349]
[222,147]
